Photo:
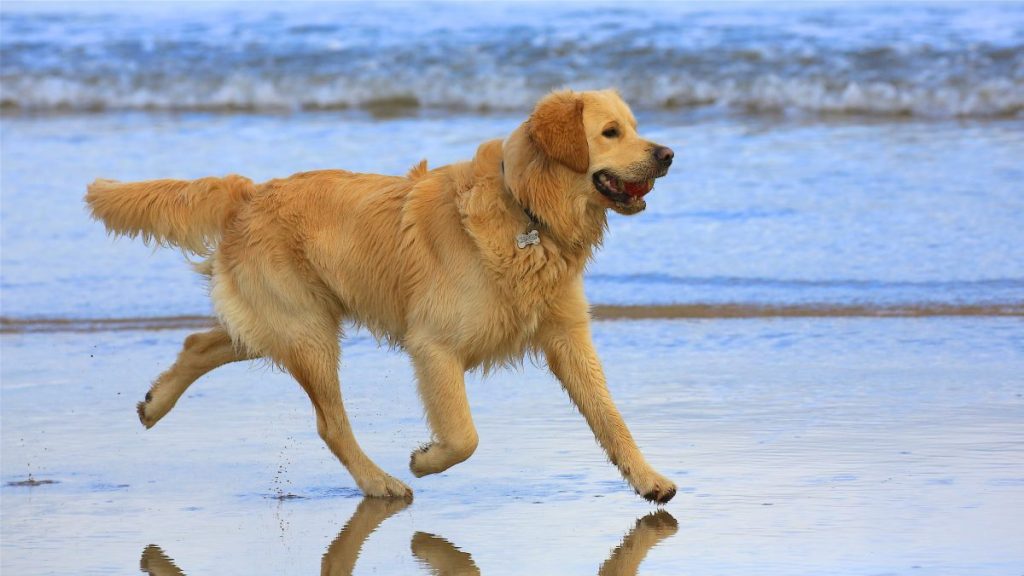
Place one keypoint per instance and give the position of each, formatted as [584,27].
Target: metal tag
[528,239]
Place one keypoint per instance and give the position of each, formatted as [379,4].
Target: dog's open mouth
[628,197]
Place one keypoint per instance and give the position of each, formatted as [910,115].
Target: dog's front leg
[572,358]
[441,380]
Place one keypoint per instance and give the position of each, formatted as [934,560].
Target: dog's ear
[556,127]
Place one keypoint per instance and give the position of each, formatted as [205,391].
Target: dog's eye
[610,133]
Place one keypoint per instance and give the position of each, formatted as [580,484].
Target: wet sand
[800,446]
[598,312]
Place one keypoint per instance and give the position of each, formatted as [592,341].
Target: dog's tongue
[638,189]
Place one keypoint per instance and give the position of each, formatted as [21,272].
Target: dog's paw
[149,413]
[654,487]
[146,420]
[385,486]
[436,457]
[418,461]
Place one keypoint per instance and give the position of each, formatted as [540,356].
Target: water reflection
[156,563]
[648,532]
[441,556]
[438,555]
[341,555]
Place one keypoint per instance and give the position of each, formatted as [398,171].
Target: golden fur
[427,261]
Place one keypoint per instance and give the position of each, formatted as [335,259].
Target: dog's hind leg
[202,352]
[313,361]
[442,387]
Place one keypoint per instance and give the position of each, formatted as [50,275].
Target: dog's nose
[664,155]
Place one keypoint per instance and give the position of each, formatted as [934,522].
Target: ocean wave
[917,60]
[766,94]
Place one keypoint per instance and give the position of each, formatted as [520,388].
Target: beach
[826,446]
[815,328]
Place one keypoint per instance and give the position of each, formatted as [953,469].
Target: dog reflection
[440,556]
[341,555]
[648,532]
[443,558]
[156,563]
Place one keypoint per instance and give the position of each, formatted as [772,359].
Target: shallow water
[801,446]
[753,212]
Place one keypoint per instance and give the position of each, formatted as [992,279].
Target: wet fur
[427,262]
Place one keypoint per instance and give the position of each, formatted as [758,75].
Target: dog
[471,265]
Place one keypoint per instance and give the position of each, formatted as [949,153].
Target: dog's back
[342,244]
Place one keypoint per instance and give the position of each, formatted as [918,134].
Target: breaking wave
[919,60]
[992,98]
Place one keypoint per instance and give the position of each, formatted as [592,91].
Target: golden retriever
[471,265]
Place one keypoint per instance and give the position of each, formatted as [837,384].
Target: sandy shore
[900,438]
[599,312]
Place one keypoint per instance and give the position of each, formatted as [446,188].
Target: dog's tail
[186,213]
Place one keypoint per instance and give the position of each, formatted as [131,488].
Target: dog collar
[532,235]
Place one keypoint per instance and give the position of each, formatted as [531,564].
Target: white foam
[436,89]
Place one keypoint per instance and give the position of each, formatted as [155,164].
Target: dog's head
[588,142]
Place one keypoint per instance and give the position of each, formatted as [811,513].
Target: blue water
[827,154]
[940,59]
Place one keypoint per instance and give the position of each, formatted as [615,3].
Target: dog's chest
[512,303]
[500,331]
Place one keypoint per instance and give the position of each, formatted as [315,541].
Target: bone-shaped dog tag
[528,239]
